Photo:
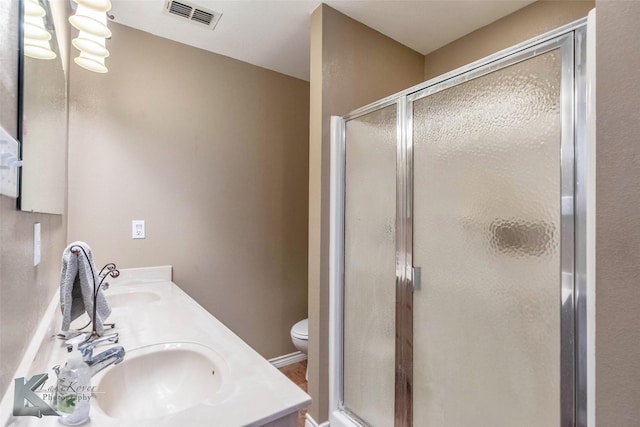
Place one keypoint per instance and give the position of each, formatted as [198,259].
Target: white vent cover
[191,12]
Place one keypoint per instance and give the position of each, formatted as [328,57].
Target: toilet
[300,335]
[300,338]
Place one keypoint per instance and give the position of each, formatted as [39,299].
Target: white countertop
[148,308]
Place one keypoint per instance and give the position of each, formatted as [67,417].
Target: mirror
[44,125]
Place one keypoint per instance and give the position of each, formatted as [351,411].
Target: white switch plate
[36,244]
[9,164]
[137,229]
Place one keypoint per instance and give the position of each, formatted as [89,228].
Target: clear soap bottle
[74,391]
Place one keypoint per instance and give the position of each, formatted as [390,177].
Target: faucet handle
[86,348]
[93,342]
[76,341]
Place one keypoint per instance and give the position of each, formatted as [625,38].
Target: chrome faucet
[111,356]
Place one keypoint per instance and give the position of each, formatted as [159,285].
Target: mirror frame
[20,96]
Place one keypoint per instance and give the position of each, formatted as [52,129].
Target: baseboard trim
[310,422]
[288,359]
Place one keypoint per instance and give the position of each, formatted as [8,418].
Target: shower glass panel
[487,229]
[369,266]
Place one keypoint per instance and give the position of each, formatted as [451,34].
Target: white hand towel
[77,280]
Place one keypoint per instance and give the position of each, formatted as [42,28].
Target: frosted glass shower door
[369,266]
[487,237]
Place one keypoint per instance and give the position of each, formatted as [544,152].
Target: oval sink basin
[124,299]
[159,380]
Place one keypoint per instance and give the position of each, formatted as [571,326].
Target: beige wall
[25,290]
[528,22]
[212,153]
[617,218]
[351,66]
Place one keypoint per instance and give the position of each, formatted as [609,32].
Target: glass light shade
[89,43]
[32,8]
[91,21]
[34,28]
[99,5]
[38,49]
[34,32]
[91,62]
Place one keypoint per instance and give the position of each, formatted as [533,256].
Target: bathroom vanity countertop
[148,309]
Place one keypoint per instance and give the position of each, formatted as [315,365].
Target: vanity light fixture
[91,19]
[36,37]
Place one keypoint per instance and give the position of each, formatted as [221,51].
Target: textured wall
[617,218]
[25,290]
[212,153]
[351,66]
[528,22]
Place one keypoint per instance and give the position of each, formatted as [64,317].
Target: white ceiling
[275,34]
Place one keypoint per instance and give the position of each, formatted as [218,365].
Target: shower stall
[458,261]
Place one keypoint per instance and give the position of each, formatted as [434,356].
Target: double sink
[182,366]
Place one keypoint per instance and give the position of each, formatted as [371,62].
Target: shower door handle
[416,278]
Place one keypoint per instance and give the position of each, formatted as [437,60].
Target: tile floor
[296,373]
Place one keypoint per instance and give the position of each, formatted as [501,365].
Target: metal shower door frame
[571,40]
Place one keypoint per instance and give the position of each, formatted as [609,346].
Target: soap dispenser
[74,390]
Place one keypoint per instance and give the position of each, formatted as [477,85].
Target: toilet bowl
[300,335]
[300,339]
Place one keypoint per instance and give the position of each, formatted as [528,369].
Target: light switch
[137,229]
[9,164]
[36,244]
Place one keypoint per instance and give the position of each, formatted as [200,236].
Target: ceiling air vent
[191,12]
